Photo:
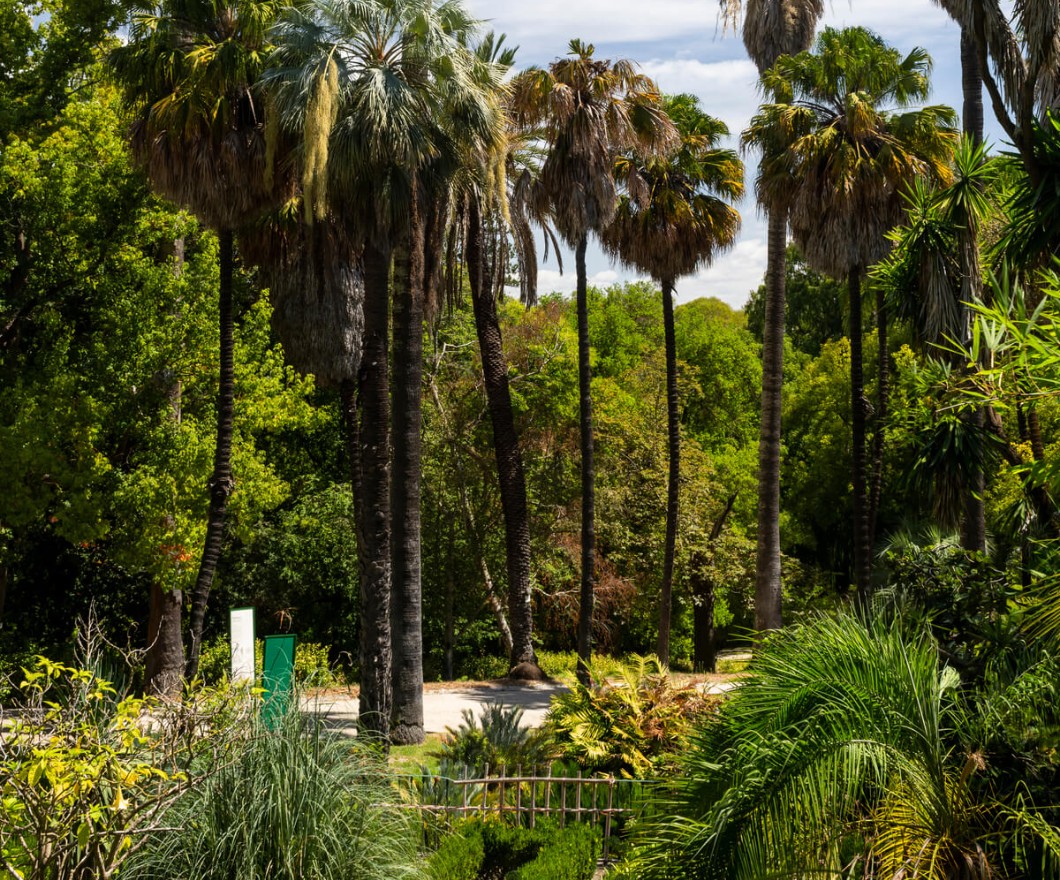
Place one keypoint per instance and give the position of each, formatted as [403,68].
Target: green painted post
[277,678]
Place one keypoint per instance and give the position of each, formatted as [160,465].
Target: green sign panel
[277,678]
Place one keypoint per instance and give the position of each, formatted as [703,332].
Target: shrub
[311,666]
[558,664]
[496,739]
[88,773]
[570,855]
[634,725]
[488,849]
[459,857]
[294,803]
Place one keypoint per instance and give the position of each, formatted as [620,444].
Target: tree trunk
[585,613]
[373,521]
[221,483]
[973,532]
[164,665]
[704,641]
[972,87]
[883,373]
[767,571]
[858,407]
[406,607]
[673,433]
[522,660]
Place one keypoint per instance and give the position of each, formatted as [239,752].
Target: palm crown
[841,145]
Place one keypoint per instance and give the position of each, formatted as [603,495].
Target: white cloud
[543,28]
[726,89]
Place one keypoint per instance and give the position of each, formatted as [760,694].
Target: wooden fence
[521,798]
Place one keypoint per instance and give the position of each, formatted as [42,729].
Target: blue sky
[682,45]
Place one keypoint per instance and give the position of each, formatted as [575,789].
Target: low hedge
[460,856]
[570,855]
[489,850]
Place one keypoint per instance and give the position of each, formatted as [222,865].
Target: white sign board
[241,624]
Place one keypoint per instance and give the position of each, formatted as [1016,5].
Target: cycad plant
[630,719]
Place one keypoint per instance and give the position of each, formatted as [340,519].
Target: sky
[684,47]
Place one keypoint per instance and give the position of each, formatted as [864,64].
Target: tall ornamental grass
[296,803]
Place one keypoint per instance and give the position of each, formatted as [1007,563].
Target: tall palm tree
[190,72]
[588,110]
[673,219]
[840,146]
[496,187]
[383,94]
[772,28]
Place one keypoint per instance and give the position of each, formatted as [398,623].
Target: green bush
[85,779]
[484,667]
[570,855]
[459,857]
[294,803]
[557,664]
[490,850]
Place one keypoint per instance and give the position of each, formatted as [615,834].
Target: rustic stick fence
[604,802]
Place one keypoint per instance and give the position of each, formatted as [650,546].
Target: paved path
[444,708]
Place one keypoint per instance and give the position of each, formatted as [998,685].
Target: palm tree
[673,220]
[842,756]
[772,28]
[383,94]
[841,158]
[494,204]
[190,72]
[588,110]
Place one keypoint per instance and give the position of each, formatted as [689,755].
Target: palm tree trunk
[373,521]
[883,371]
[523,661]
[673,429]
[704,640]
[858,407]
[406,607]
[221,482]
[767,571]
[973,533]
[585,614]
[972,87]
